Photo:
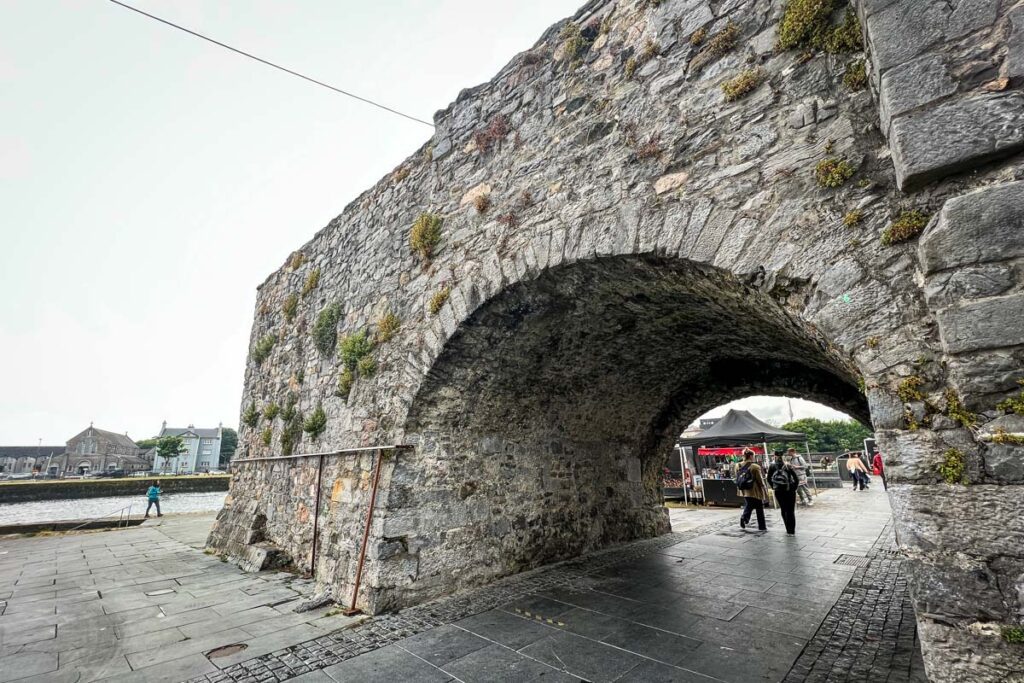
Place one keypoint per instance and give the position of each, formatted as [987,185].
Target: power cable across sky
[271,64]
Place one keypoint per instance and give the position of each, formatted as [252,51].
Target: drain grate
[853,560]
[225,650]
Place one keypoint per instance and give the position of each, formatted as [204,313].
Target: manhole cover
[226,650]
[853,560]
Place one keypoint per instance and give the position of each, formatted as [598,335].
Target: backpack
[780,478]
[744,479]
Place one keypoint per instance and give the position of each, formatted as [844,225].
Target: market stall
[715,451]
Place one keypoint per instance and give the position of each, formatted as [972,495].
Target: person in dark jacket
[756,494]
[784,482]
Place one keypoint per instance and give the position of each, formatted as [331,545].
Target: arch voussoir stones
[618,247]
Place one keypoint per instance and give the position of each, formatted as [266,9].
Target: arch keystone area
[654,210]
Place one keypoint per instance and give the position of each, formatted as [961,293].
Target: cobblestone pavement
[677,608]
[871,633]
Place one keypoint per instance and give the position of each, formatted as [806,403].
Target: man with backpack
[750,484]
[784,481]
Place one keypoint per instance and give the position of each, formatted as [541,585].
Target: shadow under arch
[545,419]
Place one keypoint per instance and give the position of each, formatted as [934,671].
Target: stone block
[955,136]
[984,324]
[912,85]
[975,282]
[978,227]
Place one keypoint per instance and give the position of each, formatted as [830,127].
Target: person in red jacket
[879,467]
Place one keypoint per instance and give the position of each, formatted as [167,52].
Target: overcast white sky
[150,181]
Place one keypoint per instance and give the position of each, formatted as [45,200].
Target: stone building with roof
[203,454]
[28,459]
[93,450]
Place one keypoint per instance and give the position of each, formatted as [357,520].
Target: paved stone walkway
[708,602]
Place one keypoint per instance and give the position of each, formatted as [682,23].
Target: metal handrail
[121,519]
[342,451]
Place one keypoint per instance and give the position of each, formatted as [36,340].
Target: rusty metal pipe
[316,515]
[366,533]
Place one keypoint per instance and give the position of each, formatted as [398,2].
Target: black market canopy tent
[740,427]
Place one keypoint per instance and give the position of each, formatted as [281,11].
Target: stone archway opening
[546,419]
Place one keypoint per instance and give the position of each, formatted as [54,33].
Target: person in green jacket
[153,494]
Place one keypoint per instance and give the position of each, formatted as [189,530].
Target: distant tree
[170,447]
[146,444]
[832,435]
[228,445]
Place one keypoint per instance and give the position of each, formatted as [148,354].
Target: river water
[89,508]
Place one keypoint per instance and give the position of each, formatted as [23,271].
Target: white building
[202,454]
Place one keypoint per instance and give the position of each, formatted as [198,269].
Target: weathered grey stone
[1014,64]
[1005,462]
[978,227]
[985,324]
[956,135]
[973,282]
[912,85]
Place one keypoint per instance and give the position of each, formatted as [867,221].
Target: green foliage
[345,381]
[325,330]
[853,218]
[296,260]
[425,235]
[856,76]
[573,42]
[316,423]
[1004,437]
[353,348]
[807,24]
[828,436]
[907,225]
[743,83]
[146,444]
[716,46]
[263,347]
[289,411]
[228,444]
[909,389]
[1013,404]
[366,366]
[953,467]
[311,283]
[956,410]
[387,326]
[698,36]
[271,410]
[267,436]
[290,306]
[291,433]
[438,300]
[650,51]
[1013,634]
[873,342]
[170,446]
[833,172]
[251,416]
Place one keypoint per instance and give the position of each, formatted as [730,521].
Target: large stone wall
[623,247]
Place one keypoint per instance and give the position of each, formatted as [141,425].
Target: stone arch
[620,150]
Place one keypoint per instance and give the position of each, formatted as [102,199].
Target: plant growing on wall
[833,172]
[271,410]
[425,235]
[290,306]
[267,436]
[325,330]
[808,24]
[291,433]
[316,423]
[438,300]
[953,467]
[1013,404]
[366,366]
[387,326]
[345,381]
[742,84]
[907,225]
[263,348]
[251,416]
[311,283]
[354,347]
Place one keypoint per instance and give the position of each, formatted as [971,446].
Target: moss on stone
[956,410]
[873,342]
[856,76]
[953,467]
[296,260]
[1013,404]
[325,329]
[833,172]
[716,46]
[573,42]
[909,389]
[906,226]
[853,218]
[438,300]
[311,283]
[316,423]
[251,416]
[271,410]
[291,433]
[807,24]
[425,235]
[846,37]
[1012,634]
[267,436]
[367,366]
[387,326]
[742,84]
[482,202]
[263,348]
[1002,436]
[698,36]
[345,381]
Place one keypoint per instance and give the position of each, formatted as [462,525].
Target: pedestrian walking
[751,486]
[879,468]
[153,494]
[859,472]
[802,468]
[783,480]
